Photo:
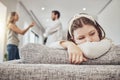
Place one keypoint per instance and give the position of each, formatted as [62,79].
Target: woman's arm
[94,50]
[19,31]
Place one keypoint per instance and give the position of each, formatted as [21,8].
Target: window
[34,38]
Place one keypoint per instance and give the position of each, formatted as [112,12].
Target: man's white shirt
[54,32]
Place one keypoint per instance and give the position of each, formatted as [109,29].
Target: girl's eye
[91,34]
[81,38]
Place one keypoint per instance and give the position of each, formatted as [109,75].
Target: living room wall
[109,19]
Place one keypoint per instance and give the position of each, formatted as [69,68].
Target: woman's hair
[11,17]
[79,21]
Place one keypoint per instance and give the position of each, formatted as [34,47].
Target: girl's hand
[32,24]
[75,54]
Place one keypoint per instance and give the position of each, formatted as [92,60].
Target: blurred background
[106,12]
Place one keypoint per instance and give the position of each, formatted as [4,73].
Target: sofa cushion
[59,72]
[36,54]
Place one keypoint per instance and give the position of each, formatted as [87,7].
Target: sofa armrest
[38,54]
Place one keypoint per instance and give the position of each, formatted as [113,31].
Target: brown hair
[80,22]
[11,17]
[56,13]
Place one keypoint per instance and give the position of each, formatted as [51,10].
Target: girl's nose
[89,39]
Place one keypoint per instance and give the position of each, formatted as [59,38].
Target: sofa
[38,62]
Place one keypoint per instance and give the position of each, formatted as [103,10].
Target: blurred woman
[12,37]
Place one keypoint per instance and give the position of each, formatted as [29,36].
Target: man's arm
[52,29]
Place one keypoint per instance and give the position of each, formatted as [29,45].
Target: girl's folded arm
[90,50]
[94,50]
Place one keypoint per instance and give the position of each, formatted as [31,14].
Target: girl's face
[85,33]
[16,17]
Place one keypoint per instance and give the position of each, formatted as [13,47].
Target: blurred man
[54,32]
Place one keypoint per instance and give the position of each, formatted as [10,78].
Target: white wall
[109,19]
[3,11]
[10,4]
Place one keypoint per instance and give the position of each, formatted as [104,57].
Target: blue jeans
[13,52]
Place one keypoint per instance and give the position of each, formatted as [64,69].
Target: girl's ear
[72,38]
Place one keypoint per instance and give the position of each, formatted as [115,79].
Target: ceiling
[42,8]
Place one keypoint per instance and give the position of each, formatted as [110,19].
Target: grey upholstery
[42,63]
[59,72]
[36,53]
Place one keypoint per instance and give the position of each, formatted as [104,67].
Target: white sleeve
[55,45]
[94,50]
[52,29]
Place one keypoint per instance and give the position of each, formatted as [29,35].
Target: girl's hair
[11,17]
[84,19]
